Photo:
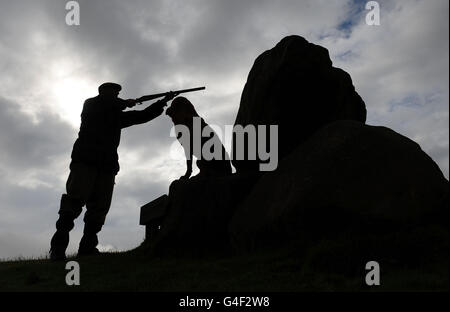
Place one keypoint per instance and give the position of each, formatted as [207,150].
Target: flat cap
[109,85]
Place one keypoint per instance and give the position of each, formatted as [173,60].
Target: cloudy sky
[48,69]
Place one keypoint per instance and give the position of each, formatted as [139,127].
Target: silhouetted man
[95,164]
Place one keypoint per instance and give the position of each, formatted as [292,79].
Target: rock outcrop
[295,86]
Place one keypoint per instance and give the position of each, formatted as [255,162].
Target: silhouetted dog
[182,112]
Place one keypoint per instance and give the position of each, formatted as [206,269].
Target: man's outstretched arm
[131,118]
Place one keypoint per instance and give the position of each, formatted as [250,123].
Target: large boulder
[295,86]
[346,177]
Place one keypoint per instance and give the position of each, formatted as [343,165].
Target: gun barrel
[190,90]
[158,95]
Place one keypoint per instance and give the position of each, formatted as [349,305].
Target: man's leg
[79,186]
[70,209]
[97,208]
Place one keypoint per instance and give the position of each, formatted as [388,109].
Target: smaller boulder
[346,177]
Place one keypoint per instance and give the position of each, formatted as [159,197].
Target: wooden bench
[152,214]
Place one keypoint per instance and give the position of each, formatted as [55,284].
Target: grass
[336,264]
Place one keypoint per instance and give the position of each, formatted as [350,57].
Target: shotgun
[158,95]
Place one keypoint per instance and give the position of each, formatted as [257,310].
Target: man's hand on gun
[170,96]
[131,102]
[163,102]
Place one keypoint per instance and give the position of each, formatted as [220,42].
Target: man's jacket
[101,123]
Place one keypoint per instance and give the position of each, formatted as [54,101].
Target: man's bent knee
[70,207]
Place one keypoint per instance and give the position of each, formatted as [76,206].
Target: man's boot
[70,209]
[60,239]
[89,241]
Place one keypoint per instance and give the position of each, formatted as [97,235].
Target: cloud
[31,142]
[400,68]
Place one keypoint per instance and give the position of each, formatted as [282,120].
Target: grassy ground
[329,265]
